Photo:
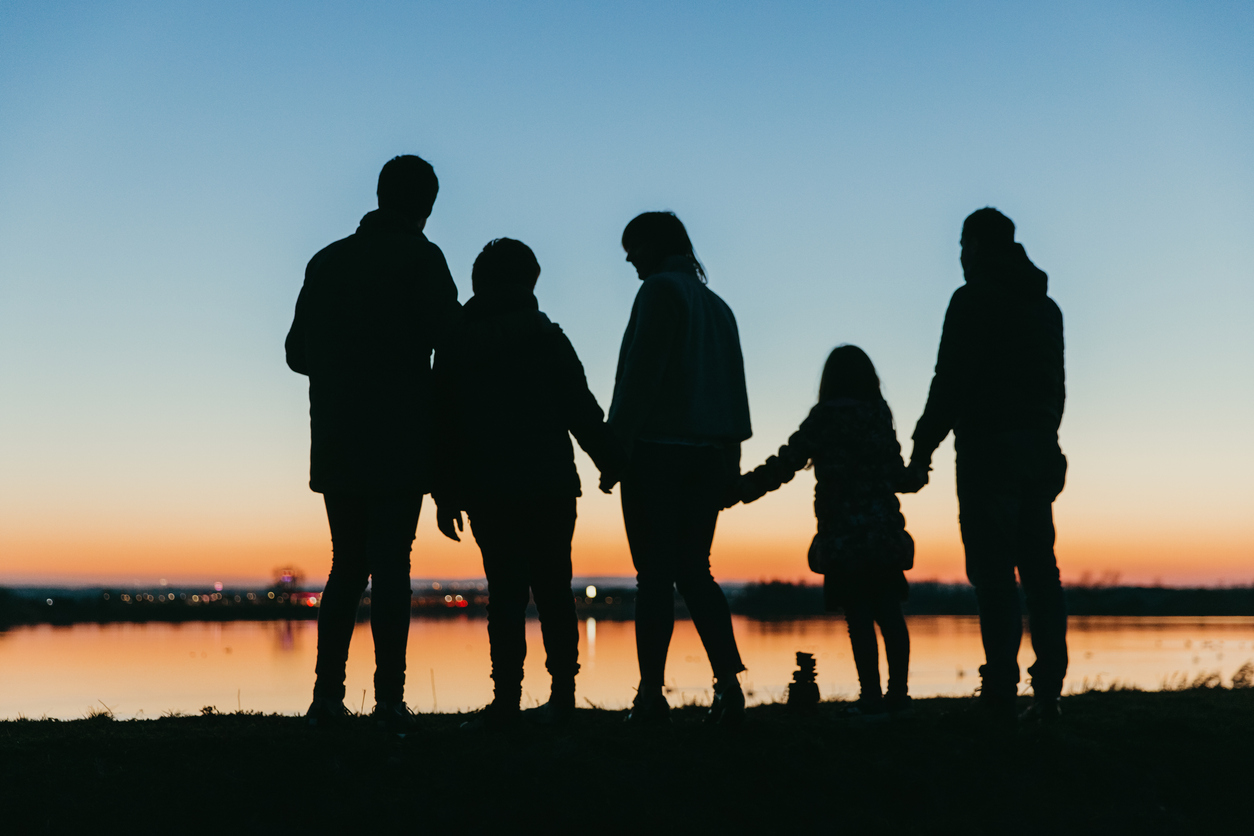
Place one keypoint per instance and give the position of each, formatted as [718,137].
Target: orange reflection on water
[144,670]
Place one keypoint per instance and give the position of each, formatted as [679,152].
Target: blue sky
[166,170]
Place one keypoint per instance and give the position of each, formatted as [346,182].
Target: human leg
[698,477]
[896,637]
[337,614]
[647,519]
[860,621]
[1042,586]
[553,523]
[496,532]
[393,520]
[988,517]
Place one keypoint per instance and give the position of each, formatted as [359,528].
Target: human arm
[438,310]
[648,345]
[941,411]
[582,414]
[779,469]
[294,345]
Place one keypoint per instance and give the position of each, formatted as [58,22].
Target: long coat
[372,308]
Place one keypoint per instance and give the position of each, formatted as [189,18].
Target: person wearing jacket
[371,309]
[1000,387]
[511,393]
[681,409]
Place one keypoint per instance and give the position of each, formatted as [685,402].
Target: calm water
[144,670]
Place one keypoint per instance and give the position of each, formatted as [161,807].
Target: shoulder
[660,287]
[328,253]
[1051,307]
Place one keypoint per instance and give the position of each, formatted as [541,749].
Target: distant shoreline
[762,601]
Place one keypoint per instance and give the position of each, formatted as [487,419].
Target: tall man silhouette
[999,385]
[371,309]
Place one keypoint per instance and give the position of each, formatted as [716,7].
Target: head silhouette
[653,237]
[408,186]
[988,229]
[849,373]
[504,265]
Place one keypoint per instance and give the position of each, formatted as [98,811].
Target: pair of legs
[371,537]
[526,552]
[672,494]
[1006,488]
[865,605]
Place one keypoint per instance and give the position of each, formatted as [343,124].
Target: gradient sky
[166,170]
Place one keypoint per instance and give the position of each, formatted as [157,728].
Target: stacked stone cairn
[803,691]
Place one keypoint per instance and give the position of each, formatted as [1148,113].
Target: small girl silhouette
[862,547]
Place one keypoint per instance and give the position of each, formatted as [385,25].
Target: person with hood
[999,386]
[511,391]
[372,307]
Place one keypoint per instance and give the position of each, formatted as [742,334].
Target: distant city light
[50,602]
[163,582]
[218,586]
[435,586]
[591,591]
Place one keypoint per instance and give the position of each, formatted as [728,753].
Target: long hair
[664,233]
[849,373]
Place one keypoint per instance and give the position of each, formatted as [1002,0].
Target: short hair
[408,185]
[504,263]
[989,227]
[849,373]
[664,232]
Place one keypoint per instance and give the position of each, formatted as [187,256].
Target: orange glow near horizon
[1177,561]
[766,540]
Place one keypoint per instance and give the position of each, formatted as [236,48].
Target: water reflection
[145,670]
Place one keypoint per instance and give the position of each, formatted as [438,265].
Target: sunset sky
[166,171]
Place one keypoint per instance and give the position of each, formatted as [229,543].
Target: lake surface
[145,670]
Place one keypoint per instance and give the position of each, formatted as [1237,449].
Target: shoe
[555,712]
[867,710]
[394,718]
[649,709]
[728,706]
[493,717]
[899,707]
[325,713]
[1043,710]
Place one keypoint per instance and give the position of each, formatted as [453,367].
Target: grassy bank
[1126,761]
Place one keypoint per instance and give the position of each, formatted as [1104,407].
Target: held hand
[916,477]
[608,480]
[449,523]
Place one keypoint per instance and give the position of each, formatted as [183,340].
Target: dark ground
[1119,762]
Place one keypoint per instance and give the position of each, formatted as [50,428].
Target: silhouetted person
[681,409]
[366,320]
[862,547]
[999,385]
[511,392]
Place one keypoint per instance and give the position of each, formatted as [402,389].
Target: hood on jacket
[1007,269]
[386,220]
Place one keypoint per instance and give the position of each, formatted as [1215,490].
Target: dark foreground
[1119,762]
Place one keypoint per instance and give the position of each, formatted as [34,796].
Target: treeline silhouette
[778,599]
[773,600]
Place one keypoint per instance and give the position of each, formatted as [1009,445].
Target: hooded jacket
[1000,364]
[372,307]
[511,391]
